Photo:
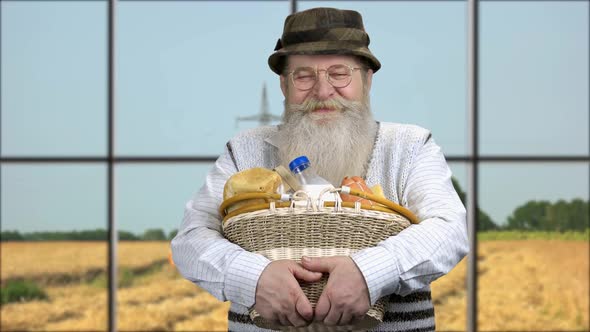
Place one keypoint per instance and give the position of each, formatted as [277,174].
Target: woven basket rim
[384,216]
[378,203]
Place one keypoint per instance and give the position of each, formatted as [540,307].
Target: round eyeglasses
[305,78]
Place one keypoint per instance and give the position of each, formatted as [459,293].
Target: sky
[186,70]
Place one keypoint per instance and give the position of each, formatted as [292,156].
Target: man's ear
[284,83]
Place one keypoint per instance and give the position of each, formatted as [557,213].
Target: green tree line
[546,216]
[560,216]
[485,223]
[154,234]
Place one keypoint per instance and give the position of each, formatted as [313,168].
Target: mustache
[336,103]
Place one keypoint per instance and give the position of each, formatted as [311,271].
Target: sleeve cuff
[242,278]
[380,271]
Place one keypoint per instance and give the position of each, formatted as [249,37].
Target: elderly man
[326,70]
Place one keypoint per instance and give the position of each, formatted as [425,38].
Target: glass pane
[54,74]
[533,271]
[149,209]
[449,293]
[422,48]
[188,70]
[459,170]
[534,77]
[54,248]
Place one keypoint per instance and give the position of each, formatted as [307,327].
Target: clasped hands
[344,300]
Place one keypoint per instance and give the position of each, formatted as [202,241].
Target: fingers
[318,264]
[304,308]
[333,317]
[293,316]
[301,273]
[295,319]
[345,298]
[322,308]
[279,296]
[330,314]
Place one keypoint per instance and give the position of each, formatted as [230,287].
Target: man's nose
[323,89]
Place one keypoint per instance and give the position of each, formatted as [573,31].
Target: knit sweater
[393,159]
[411,169]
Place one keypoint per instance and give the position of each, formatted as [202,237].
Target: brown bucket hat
[323,31]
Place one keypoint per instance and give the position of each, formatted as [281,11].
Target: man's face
[315,119]
[323,90]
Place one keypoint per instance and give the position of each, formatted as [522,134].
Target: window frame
[471,159]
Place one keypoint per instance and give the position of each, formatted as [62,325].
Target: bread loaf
[251,181]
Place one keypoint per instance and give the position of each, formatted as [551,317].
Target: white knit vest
[393,155]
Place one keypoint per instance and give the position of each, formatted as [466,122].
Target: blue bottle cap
[298,162]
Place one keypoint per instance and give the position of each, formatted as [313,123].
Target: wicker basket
[285,231]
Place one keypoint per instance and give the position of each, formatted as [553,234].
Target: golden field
[523,285]
[531,285]
[40,260]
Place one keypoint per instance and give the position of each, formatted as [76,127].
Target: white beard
[338,143]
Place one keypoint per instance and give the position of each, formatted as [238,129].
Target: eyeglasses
[305,78]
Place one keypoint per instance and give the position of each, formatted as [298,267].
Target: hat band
[352,36]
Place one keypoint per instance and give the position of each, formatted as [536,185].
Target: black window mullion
[112,230]
[472,107]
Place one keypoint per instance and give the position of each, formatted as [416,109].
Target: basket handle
[245,196]
[382,200]
[346,190]
[266,206]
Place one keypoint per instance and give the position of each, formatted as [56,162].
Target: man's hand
[279,297]
[345,299]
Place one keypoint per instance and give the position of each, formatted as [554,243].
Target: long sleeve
[204,256]
[423,252]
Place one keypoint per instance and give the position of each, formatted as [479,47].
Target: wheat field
[532,285]
[40,260]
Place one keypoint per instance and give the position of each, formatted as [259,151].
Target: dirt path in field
[64,279]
